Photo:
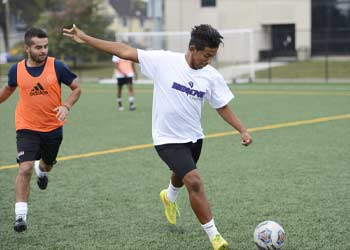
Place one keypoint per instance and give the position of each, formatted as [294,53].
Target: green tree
[83,13]
[26,11]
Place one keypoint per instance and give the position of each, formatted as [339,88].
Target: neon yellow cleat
[171,208]
[219,243]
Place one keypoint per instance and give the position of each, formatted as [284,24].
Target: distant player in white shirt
[182,82]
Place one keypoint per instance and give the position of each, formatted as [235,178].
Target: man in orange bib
[40,114]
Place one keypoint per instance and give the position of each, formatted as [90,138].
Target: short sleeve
[219,94]
[12,76]
[115,59]
[64,74]
[149,60]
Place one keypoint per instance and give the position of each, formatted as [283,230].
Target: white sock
[131,99]
[21,210]
[172,192]
[37,169]
[210,229]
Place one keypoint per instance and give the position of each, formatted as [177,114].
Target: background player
[124,72]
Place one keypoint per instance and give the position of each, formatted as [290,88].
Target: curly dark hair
[33,32]
[205,35]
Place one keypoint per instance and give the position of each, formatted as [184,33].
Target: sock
[131,101]
[172,192]
[37,169]
[210,229]
[119,101]
[21,210]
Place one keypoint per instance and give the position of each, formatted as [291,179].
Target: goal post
[235,59]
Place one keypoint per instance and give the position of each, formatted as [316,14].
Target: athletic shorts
[181,158]
[124,80]
[35,145]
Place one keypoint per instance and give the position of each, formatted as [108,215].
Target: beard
[38,58]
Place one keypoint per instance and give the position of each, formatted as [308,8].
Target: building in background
[288,28]
[281,28]
[330,27]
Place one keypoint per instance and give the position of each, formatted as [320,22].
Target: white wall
[254,14]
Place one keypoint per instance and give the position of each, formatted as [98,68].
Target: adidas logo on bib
[38,90]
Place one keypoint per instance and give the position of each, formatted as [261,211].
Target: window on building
[330,27]
[208,3]
[125,21]
[142,22]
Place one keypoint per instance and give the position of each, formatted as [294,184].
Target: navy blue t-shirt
[63,73]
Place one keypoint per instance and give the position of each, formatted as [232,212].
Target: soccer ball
[269,235]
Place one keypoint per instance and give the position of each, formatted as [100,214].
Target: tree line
[52,16]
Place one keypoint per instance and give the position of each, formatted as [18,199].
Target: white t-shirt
[179,94]
[115,59]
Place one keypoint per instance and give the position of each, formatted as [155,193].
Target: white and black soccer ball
[269,235]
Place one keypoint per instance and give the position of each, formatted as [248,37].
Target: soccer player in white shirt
[182,82]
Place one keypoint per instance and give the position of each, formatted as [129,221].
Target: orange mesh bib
[38,96]
[124,67]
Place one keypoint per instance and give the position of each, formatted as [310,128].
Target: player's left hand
[61,112]
[246,139]
[74,33]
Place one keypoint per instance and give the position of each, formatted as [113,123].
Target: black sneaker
[42,182]
[20,225]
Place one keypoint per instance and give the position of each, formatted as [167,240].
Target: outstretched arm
[121,50]
[230,117]
[6,92]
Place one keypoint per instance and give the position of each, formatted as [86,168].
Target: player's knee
[25,169]
[193,182]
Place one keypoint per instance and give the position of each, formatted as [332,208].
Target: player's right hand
[74,33]
[61,112]
[246,140]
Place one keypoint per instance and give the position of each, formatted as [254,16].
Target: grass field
[104,192]
[310,69]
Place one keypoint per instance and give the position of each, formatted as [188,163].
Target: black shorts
[35,145]
[124,80]
[181,158]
